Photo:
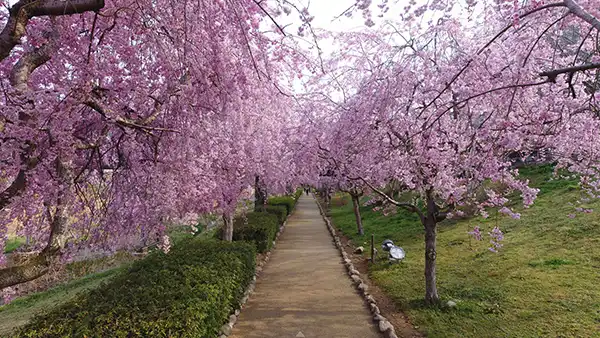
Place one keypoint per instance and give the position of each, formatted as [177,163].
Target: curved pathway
[304,290]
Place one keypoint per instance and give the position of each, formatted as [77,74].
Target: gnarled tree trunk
[39,264]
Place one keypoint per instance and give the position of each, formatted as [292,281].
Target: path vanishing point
[304,290]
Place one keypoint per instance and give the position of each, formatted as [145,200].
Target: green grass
[13,243]
[22,309]
[544,282]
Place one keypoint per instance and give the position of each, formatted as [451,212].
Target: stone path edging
[227,327]
[385,327]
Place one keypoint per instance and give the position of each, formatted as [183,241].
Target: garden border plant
[146,300]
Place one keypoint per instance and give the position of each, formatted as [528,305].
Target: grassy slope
[544,282]
[21,310]
[13,243]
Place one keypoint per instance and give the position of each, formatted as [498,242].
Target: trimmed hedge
[298,193]
[189,292]
[278,210]
[288,201]
[258,227]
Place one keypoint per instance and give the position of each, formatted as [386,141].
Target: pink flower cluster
[496,237]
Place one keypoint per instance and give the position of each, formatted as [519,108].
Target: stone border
[385,327]
[226,329]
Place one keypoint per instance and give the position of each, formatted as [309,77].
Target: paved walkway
[304,290]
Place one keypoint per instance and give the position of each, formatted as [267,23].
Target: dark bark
[39,264]
[429,219]
[19,78]
[35,267]
[552,74]
[356,207]
[326,196]
[430,224]
[14,189]
[260,195]
[22,11]
[227,227]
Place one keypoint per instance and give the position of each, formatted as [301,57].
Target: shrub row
[298,193]
[288,201]
[261,227]
[258,227]
[278,210]
[189,292]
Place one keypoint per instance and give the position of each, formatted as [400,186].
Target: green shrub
[257,227]
[278,210]
[189,292]
[298,193]
[288,201]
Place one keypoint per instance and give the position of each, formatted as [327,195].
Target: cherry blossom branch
[581,45]
[408,206]
[19,78]
[347,10]
[540,37]
[243,32]
[123,121]
[489,43]
[22,11]
[258,3]
[524,85]
[582,13]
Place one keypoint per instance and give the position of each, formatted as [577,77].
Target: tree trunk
[327,196]
[39,264]
[431,293]
[227,227]
[35,267]
[356,205]
[260,195]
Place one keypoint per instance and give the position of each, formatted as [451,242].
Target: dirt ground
[386,305]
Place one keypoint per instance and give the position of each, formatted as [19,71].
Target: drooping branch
[582,13]
[408,206]
[22,11]
[258,3]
